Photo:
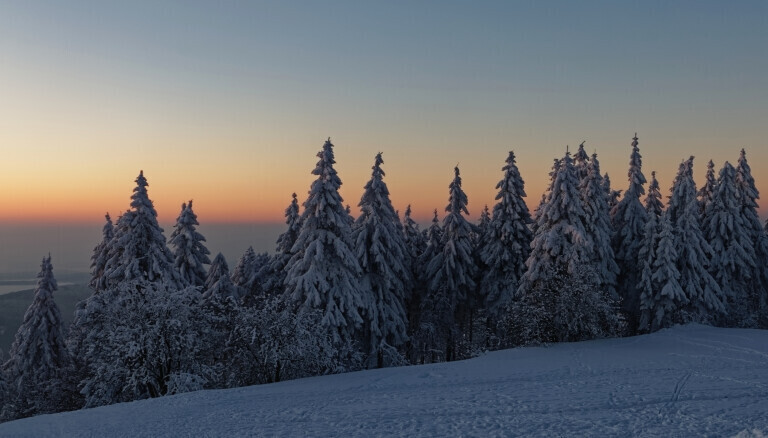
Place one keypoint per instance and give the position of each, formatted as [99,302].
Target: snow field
[680,382]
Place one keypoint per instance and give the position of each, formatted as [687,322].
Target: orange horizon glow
[241,203]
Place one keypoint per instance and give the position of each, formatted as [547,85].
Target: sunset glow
[228,108]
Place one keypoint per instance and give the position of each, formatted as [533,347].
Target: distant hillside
[682,382]
[14,304]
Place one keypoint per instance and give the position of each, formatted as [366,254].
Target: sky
[228,102]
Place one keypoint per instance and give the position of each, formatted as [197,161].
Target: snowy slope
[686,381]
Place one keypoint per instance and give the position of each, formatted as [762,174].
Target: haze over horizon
[228,105]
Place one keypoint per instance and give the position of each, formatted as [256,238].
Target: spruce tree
[272,274]
[758,299]
[285,242]
[507,243]
[581,162]
[38,356]
[559,297]
[705,298]
[561,236]
[138,251]
[450,276]
[324,273]
[414,239]
[648,253]
[220,312]
[422,319]
[662,298]
[218,282]
[598,226]
[189,252]
[647,256]
[243,274]
[707,191]
[653,204]
[99,257]
[482,227]
[612,195]
[382,252]
[547,195]
[628,219]
[733,253]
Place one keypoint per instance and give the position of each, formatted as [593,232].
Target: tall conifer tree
[100,254]
[704,296]
[629,218]
[758,300]
[508,242]
[662,298]
[323,272]
[707,191]
[598,226]
[383,255]
[450,274]
[189,251]
[653,204]
[733,254]
[559,298]
[38,355]
[138,251]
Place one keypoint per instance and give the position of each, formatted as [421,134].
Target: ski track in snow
[681,382]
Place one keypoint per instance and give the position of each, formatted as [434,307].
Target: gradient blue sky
[228,102]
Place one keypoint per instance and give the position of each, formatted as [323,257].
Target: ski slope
[686,381]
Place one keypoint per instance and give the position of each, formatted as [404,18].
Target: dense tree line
[343,293]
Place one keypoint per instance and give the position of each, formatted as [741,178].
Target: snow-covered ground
[682,382]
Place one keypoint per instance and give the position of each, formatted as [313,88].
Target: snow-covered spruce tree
[323,272]
[414,238]
[243,274]
[415,243]
[733,254]
[99,257]
[613,195]
[546,196]
[705,298]
[262,275]
[450,302]
[581,162]
[598,227]
[380,248]
[758,300]
[653,204]
[647,256]
[220,311]
[423,331]
[559,297]
[189,252]
[149,343]
[138,250]
[507,243]
[707,191]
[251,274]
[482,228]
[662,298]
[628,220]
[350,217]
[273,284]
[218,282]
[38,356]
